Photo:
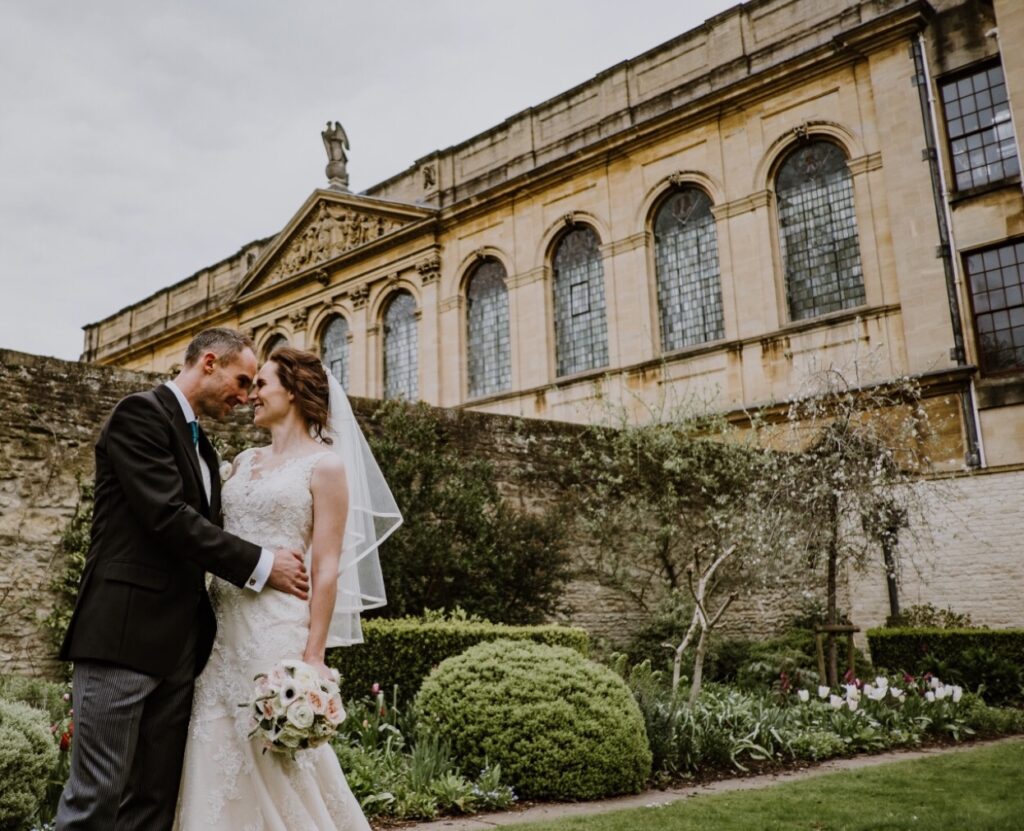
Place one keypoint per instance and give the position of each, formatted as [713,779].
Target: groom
[143,626]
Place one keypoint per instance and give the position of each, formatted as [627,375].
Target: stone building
[792,185]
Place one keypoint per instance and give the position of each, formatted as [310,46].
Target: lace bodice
[272,507]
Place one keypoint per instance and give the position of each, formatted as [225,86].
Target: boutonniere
[225,471]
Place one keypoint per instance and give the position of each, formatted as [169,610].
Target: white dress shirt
[258,579]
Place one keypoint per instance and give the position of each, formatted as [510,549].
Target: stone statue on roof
[336,145]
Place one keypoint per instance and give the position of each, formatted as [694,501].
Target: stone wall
[50,416]
[52,411]
[970,558]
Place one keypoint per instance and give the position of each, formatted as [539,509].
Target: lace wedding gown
[227,782]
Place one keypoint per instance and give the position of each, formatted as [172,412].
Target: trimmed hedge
[560,726]
[992,659]
[403,651]
[28,757]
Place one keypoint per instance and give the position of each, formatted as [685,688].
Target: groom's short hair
[226,343]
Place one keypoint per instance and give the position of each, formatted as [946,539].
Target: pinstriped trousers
[130,732]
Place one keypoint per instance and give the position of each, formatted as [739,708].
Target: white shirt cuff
[258,579]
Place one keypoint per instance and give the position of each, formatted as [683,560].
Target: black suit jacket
[154,535]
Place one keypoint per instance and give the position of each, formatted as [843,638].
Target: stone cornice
[761,199]
[864,164]
[626,244]
[514,281]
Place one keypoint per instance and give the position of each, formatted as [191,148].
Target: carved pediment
[328,226]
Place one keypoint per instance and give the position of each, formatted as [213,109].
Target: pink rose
[318,701]
[335,712]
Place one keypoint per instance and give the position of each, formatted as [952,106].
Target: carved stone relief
[429,269]
[332,231]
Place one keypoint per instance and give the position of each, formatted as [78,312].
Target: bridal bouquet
[293,707]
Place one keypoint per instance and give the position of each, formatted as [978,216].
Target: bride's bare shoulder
[328,470]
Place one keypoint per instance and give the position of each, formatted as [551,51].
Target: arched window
[400,379]
[334,349]
[275,342]
[581,330]
[818,231]
[686,265]
[487,340]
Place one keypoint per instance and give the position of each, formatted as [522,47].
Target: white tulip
[835,701]
[934,682]
[852,704]
[823,692]
[957,693]
[882,681]
[930,696]
[803,695]
[869,690]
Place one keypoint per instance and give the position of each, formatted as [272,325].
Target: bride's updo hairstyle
[302,374]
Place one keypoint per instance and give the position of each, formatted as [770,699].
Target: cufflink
[252,581]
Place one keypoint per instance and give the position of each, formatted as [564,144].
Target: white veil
[372,517]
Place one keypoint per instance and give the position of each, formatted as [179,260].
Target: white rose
[301,715]
[225,471]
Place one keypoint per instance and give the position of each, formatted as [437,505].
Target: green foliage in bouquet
[403,651]
[989,661]
[560,726]
[28,756]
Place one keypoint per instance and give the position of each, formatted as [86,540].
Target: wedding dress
[227,781]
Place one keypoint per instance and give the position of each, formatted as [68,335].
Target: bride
[316,488]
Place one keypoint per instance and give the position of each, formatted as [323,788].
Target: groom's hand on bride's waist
[289,574]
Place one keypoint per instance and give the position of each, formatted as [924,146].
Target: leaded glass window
[581,330]
[997,293]
[334,349]
[489,351]
[400,365]
[686,265]
[275,342]
[980,131]
[818,232]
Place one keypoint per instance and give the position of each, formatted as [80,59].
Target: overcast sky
[140,142]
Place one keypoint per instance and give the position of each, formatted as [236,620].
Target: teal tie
[194,427]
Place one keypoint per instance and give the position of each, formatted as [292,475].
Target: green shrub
[559,725]
[403,651]
[927,616]
[44,695]
[461,543]
[28,756]
[816,745]
[987,660]
[991,721]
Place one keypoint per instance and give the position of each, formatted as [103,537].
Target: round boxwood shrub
[28,756]
[560,726]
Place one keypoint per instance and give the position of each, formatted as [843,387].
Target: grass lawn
[976,790]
